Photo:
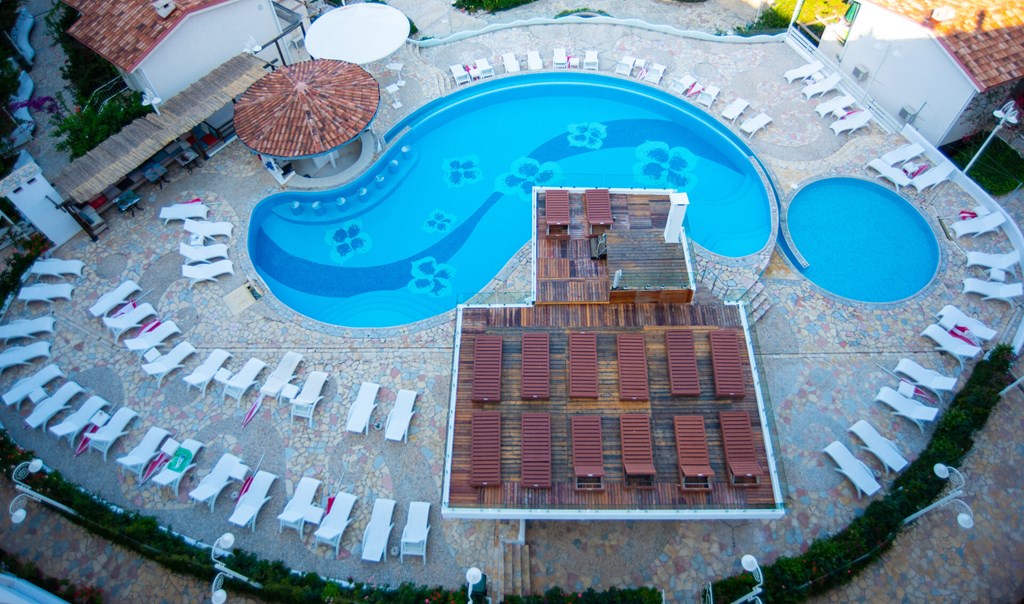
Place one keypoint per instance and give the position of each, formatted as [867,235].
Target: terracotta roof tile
[985,36]
[308,108]
[125,31]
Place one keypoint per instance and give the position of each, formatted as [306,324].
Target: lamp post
[473,576]
[151,99]
[965,516]
[17,508]
[1006,113]
[222,547]
[750,565]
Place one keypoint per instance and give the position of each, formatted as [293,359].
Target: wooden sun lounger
[536,450]
[583,365]
[485,453]
[535,379]
[637,454]
[726,364]
[740,455]
[556,211]
[682,363]
[487,368]
[587,452]
[599,207]
[632,354]
[692,450]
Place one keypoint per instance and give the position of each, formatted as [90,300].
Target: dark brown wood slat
[487,368]
[485,465]
[583,365]
[725,356]
[692,450]
[682,363]
[740,453]
[632,361]
[536,450]
[536,366]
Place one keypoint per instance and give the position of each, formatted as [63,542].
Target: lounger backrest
[738,441]
[583,365]
[726,364]
[487,368]
[485,452]
[536,450]
[637,454]
[682,363]
[599,206]
[692,451]
[556,207]
[536,370]
[632,355]
[587,447]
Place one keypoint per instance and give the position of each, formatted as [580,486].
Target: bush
[84,70]
[59,587]
[642,595]
[81,129]
[19,261]
[491,6]
[588,12]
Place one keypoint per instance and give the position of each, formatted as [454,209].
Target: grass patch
[777,15]
[999,170]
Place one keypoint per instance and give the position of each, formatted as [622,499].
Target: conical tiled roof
[306,109]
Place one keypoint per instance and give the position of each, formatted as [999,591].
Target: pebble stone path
[819,355]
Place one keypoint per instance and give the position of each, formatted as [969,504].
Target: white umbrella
[358,33]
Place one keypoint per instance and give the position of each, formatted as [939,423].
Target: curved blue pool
[436,218]
[861,240]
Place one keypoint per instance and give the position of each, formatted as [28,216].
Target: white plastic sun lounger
[397,427]
[333,525]
[879,446]
[684,85]
[55,267]
[196,273]
[560,59]
[26,328]
[135,461]
[860,475]
[459,73]
[305,401]
[283,374]
[708,95]
[133,318]
[197,254]
[378,530]
[734,109]
[169,362]
[654,74]
[925,378]
[23,355]
[182,460]
[933,177]
[803,72]
[238,384]
[484,68]
[79,419]
[48,407]
[46,292]
[978,226]
[951,317]
[299,506]
[894,175]
[32,385]
[906,407]
[759,121]
[533,61]
[203,374]
[251,502]
[852,123]
[1004,262]
[590,60]
[836,106]
[993,290]
[152,339]
[510,62]
[625,66]
[116,427]
[957,348]
[822,86]
[361,410]
[227,468]
[903,154]
[416,531]
[209,230]
[110,300]
[184,211]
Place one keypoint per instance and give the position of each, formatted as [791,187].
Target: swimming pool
[436,218]
[861,240]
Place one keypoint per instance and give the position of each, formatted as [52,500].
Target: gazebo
[306,110]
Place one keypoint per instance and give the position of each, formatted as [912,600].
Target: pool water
[862,241]
[439,215]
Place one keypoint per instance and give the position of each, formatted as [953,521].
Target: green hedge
[834,560]
[491,6]
[642,595]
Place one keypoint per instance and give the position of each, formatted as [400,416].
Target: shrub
[999,170]
[60,587]
[83,128]
[84,70]
[588,12]
[491,6]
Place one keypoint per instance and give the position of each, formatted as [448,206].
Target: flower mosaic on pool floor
[526,174]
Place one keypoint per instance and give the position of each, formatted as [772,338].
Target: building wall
[908,68]
[204,41]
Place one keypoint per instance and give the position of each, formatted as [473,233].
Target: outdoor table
[127,201]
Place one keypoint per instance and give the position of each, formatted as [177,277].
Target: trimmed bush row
[834,560]
[643,595]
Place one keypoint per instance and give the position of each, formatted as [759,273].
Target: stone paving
[819,355]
